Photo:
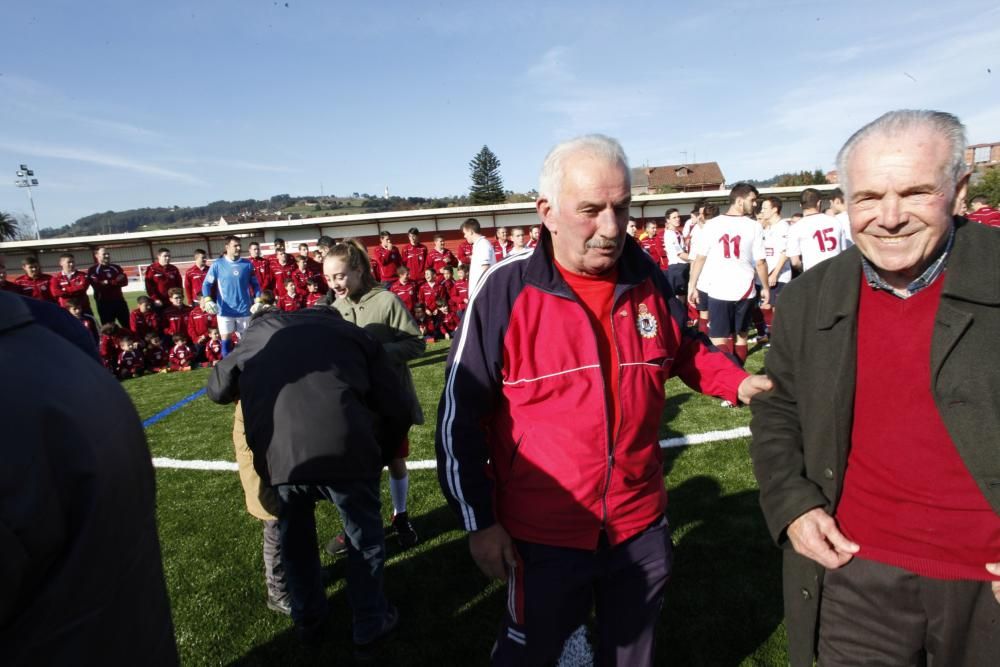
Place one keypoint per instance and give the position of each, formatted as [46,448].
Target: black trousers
[110,311]
[876,614]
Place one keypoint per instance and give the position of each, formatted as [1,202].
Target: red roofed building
[696,177]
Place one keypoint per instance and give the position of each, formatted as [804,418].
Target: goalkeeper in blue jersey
[237,287]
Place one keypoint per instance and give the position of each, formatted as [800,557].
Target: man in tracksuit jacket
[552,459]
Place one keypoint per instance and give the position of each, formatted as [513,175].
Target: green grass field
[723,606]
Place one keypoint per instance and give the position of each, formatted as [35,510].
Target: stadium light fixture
[24,180]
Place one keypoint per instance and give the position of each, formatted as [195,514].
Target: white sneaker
[727,404]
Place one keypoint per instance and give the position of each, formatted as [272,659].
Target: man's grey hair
[554,167]
[896,123]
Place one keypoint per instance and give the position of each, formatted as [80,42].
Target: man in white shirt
[520,239]
[483,255]
[839,205]
[678,268]
[817,236]
[730,252]
[701,214]
[779,269]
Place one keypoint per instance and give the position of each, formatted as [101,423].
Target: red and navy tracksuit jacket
[523,436]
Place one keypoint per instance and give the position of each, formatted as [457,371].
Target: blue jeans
[361,511]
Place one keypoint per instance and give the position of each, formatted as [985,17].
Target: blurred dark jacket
[80,558]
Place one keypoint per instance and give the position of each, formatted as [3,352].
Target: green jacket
[802,428]
[383,315]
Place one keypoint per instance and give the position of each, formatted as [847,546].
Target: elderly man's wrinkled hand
[753,385]
[815,535]
[994,569]
[493,551]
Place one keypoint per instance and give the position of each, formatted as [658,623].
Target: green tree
[987,186]
[8,227]
[487,186]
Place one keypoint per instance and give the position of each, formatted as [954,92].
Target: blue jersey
[237,284]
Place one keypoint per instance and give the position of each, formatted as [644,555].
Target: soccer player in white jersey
[730,252]
[705,212]
[678,267]
[817,236]
[839,205]
[779,269]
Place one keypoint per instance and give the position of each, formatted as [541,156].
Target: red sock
[741,352]
[703,326]
[768,316]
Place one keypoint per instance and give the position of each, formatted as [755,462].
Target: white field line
[682,441]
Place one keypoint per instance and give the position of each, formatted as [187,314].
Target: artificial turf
[723,605]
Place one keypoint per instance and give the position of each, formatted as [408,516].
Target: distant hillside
[278,207]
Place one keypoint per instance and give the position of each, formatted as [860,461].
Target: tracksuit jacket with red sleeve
[66,287]
[159,280]
[523,436]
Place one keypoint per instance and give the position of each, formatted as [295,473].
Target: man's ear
[961,190]
[546,213]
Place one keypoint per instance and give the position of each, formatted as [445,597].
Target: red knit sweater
[908,498]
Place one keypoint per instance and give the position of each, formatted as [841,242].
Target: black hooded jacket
[320,402]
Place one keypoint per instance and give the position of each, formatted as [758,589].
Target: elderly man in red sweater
[876,452]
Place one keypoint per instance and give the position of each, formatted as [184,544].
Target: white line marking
[682,441]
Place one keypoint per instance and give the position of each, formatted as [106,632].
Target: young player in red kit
[301,274]
[387,258]
[460,291]
[281,268]
[174,318]
[33,282]
[425,323]
[194,277]
[261,267]
[199,324]
[290,301]
[652,243]
[75,308]
[181,354]
[155,355]
[440,257]
[464,252]
[414,253]
[447,283]
[161,277]
[313,294]
[70,283]
[107,347]
[143,319]
[502,245]
[213,348]
[446,321]
[279,246]
[405,289]
[130,361]
[430,292]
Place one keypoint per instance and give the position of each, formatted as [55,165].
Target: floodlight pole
[26,180]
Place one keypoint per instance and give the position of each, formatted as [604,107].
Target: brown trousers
[876,614]
[262,501]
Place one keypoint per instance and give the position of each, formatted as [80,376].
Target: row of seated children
[432,288]
[135,358]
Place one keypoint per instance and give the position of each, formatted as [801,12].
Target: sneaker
[282,605]
[365,651]
[404,530]
[338,545]
[727,404]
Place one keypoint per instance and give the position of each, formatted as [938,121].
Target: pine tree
[487,186]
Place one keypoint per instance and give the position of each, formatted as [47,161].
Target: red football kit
[130,363]
[281,271]
[287,303]
[415,258]
[262,269]
[300,277]
[107,281]
[193,279]
[388,261]
[460,296]
[142,323]
[160,279]
[465,253]
[174,320]
[447,323]
[429,294]
[39,287]
[213,351]
[65,287]
[181,357]
[986,215]
[312,298]
[502,250]
[156,359]
[654,248]
[198,324]
[407,293]
[438,259]
[108,349]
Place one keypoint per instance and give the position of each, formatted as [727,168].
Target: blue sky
[118,105]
